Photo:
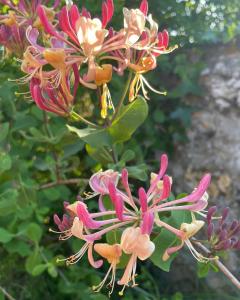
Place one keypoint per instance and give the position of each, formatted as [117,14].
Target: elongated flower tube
[186,232]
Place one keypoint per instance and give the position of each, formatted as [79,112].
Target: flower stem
[77,117]
[220,265]
[120,103]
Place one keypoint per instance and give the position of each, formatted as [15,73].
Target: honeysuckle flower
[112,253]
[186,231]
[56,100]
[20,15]
[139,246]
[134,217]
[99,183]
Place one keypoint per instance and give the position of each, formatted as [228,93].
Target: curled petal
[95,264]
[100,204]
[172,250]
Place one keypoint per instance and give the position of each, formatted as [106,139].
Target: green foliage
[37,149]
[124,125]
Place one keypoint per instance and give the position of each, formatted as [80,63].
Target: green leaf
[203,269]
[129,119]
[6,162]
[52,271]
[5,236]
[128,155]
[139,172]
[166,239]
[34,232]
[8,201]
[32,261]
[39,269]
[4,128]
[101,155]
[94,137]
[20,247]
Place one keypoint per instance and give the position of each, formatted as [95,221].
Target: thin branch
[71,181]
[220,265]
[125,91]
[6,294]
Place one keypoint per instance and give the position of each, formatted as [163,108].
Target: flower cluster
[71,48]
[14,23]
[133,217]
[222,235]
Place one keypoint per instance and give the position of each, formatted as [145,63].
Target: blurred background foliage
[38,154]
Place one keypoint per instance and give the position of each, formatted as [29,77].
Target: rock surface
[214,140]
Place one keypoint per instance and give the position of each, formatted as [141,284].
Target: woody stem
[220,265]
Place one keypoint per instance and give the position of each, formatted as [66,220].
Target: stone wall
[214,138]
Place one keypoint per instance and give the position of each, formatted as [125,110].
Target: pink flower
[139,246]
[133,217]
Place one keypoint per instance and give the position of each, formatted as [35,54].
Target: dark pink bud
[56,220]
[119,207]
[223,235]
[116,200]
[224,214]
[147,222]
[210,213]
[143,199]
[166,187]
[107,12]
[125,178]
[112,191]
[65,24]
[234,225]
[65,221]
[163,165]
[74,15]
[165,40]
[144,7]
[210,230]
